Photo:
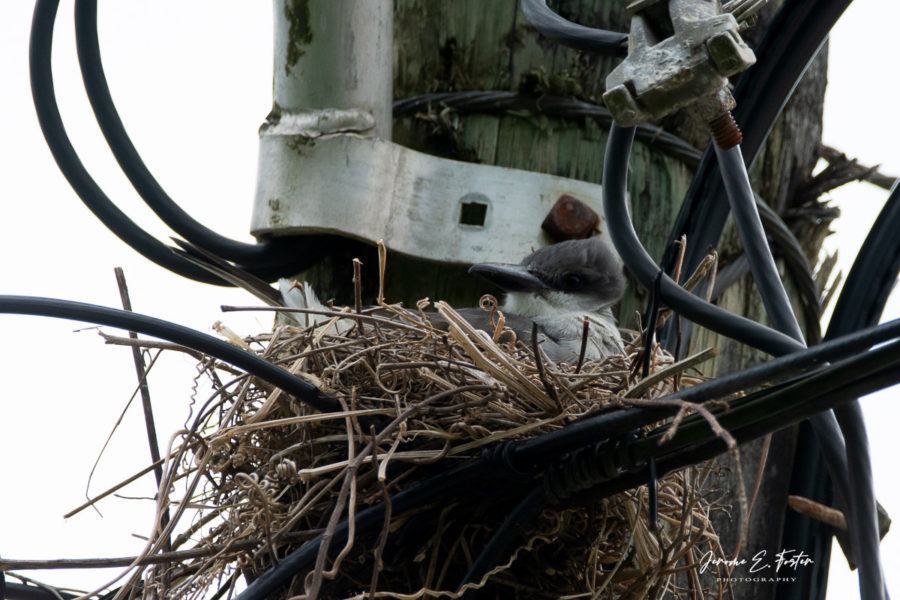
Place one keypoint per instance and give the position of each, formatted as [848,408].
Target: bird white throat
[560,317]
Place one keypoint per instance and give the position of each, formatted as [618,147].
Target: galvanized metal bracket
[420,205]
[327,165]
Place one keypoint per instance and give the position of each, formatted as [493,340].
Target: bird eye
[572,281]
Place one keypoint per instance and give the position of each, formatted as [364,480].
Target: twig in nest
[679,259]
[417,328]
[382,266]
[377,564]
[709,263]
[497,318]
[585,330]
[761,470]
[141,380]
[679,367]
[850,169]
[713,271]
[687,407]
[539,362]
[113,489]
[357,284]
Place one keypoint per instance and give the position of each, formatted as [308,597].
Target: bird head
[575,275]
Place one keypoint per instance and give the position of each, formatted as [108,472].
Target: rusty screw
[725,131]
[570,219]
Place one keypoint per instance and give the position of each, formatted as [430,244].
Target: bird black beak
[512,278]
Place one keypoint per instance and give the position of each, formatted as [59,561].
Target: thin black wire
[573,35]
[94,198]
[285,255]
[131,321]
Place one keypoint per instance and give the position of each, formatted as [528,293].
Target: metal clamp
[679,51]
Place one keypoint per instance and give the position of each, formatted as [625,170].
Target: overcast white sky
[192,81]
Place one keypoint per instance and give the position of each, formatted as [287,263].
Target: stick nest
[260,473]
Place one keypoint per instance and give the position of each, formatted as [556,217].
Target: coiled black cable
[280,256]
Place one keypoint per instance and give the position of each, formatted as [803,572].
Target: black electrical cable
[501,544]
[753,334]
[791,41]
[280,256]
[564,107]
[573,35]
[789,249]
[641,265]
[756,246]
[773,409]
[858,499]
[22,591]
[860,304]
[712,446]
[750,417]
[131,321]
[44,97]
[452,480]
[756,415]
[537,450]
[873,274]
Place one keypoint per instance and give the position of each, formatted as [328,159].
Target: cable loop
[588,467]
[502,458]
